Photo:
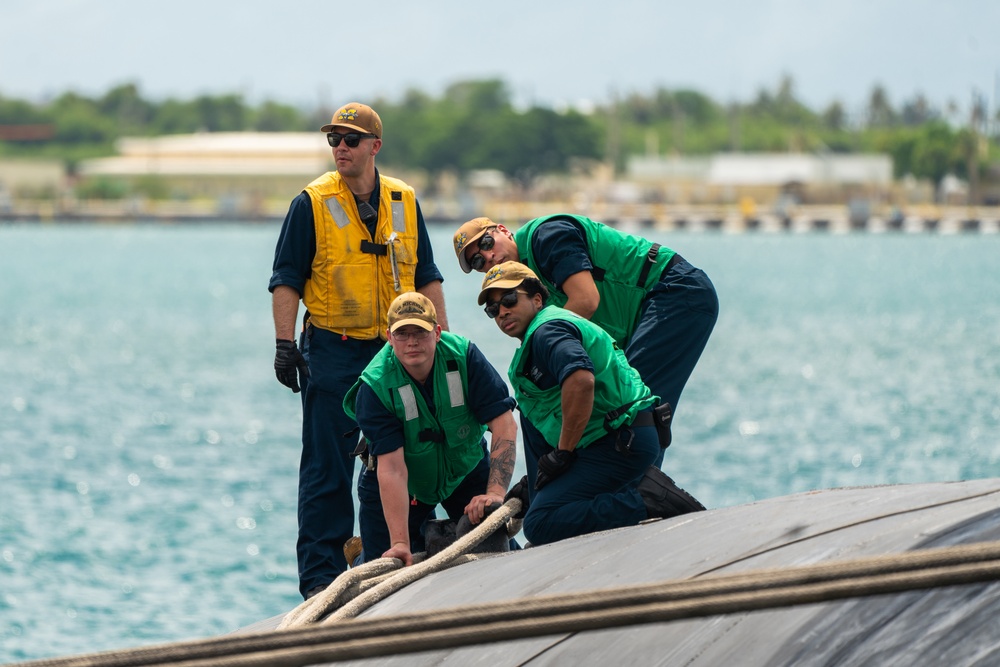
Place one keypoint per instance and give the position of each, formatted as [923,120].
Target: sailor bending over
[591,429]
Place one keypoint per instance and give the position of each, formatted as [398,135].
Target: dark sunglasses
[508,300]
[352,139]
[477,261]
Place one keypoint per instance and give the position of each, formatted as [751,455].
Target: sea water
[148,456]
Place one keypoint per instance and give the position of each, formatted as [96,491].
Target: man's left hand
[400,551]
[553,464]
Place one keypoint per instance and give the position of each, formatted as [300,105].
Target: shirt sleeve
[557,352]
[382,428]
[296,246]
[427,271]
[491,397]
[560,250]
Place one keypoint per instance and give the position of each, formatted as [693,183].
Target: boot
[663,498]
[352,549]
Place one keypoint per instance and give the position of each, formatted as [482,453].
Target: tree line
[476,125]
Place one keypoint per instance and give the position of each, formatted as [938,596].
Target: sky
[577,53]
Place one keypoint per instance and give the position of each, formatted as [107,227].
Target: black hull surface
[953,626]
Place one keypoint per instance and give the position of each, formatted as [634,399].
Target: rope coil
[345,598]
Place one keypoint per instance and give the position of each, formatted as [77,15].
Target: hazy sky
[304,52]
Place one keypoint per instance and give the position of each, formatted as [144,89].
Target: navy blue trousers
[374,531]
[326,470]
[675,322]
[598,492]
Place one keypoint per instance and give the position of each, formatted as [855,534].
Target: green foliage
[928,151]
[101,188]
[125,106]
[152,187]
[222,114]
[175,117]
[275,117]
[79,120]
[19,112]
[684,105]
[474,125]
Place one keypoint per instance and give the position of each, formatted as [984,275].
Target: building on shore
[241,171]
[765,177]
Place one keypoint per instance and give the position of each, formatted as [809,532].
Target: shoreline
[631,216]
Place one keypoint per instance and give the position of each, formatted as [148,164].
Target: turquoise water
[148,457]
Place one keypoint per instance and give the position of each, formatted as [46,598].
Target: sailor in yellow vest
[425,427]
[590,427]
[351,242]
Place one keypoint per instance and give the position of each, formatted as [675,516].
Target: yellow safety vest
[352,281]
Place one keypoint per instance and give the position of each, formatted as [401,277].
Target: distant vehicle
[859,211]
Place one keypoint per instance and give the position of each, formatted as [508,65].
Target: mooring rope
[440,561]
[348,595]
[344,588]
[570,613]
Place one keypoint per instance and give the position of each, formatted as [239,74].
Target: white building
[730,175]
[262,160]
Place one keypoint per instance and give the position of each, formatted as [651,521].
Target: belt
[659,417]
[644,419]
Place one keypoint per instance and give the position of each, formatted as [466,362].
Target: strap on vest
[430,435]
[616,413]
[374,248]
[654,250]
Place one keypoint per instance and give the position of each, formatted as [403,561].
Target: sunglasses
[352,139]
[477,261]
[508,300]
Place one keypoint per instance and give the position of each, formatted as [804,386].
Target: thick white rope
[362,586]
[438,562]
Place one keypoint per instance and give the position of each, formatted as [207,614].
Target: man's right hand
[552,465]
[288,361]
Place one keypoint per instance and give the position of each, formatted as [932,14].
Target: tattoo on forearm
[502,457]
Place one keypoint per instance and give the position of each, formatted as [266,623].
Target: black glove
[552,465]
[287,361]
[519,491]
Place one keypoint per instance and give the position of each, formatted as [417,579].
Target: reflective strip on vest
[398,210]
[337,211]
[455,392]
[409,402]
